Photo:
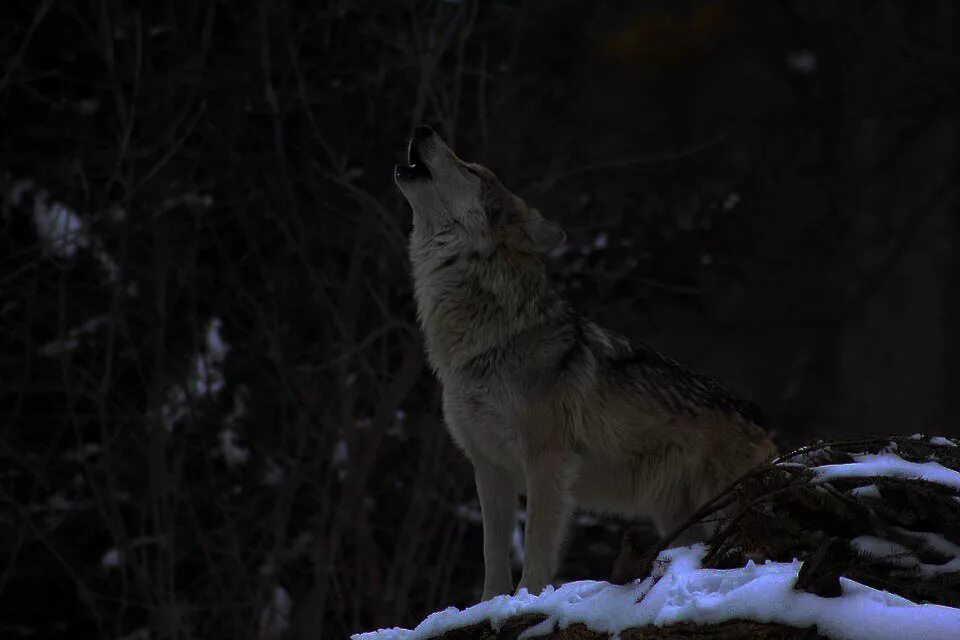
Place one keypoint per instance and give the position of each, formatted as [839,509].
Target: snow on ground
[516,545]
[681,590]
[72,339]
[112,559]
[890,465]
[59,227]
[867,491]
[275,618]
[803,61]
[61,231]
[233,453]
[205,378]
[273,474]
[903,556]
[731,201]
[685,592]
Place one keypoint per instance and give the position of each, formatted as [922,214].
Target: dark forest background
[215,415]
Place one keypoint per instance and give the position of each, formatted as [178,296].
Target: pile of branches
[889,531]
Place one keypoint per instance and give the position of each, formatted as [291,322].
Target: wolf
[543,401]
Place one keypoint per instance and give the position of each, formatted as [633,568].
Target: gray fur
[543,401]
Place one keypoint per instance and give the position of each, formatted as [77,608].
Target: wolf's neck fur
[471,303]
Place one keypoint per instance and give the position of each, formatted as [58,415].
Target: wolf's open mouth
[413,172]
[418,169]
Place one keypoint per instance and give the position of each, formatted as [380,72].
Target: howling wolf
[543,401]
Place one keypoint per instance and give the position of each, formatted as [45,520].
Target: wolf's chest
[480,422]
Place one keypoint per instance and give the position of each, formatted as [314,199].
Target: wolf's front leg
[549,503]
[498,505]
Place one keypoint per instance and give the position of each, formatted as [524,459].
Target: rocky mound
[882,512]
[856,539]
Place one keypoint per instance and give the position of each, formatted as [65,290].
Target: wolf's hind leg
[675,511]
[498,506]
[549,504]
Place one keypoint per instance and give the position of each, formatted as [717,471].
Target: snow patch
[59,228]
[731,201]
[207,378]
[867,491]
[188,199]
[232,452]
[469,512]
[802,61]
[275,619]
[17,191]
[61,231]
[112,559]
[685,592]
[110,268]
[901,556]
[273,475]
[516,545]
[586,520]
[892,466]
[87,106]
[340,454]
[239,409]
[72,340]
[82,453]
[174,409]
[204,379]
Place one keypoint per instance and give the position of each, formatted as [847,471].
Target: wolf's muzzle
[418,169]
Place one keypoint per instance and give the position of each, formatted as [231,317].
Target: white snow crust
[682,591]
[892,466]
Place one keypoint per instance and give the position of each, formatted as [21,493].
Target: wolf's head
[448,195]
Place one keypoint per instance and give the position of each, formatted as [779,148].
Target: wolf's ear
[544,234]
